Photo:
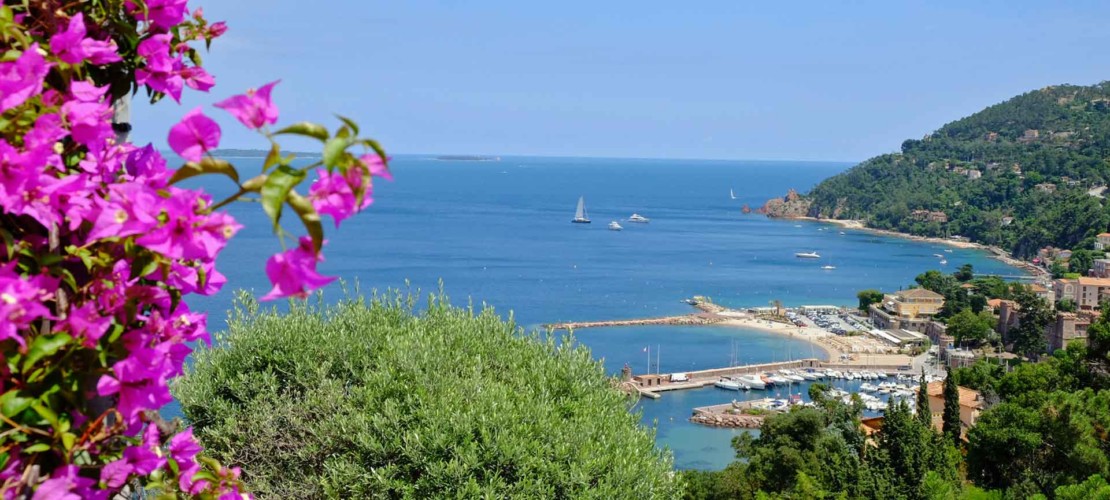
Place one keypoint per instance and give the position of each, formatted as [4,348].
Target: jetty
[701,318]
[651,385]
[734,415]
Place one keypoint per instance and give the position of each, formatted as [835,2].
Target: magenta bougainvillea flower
[21,302]
[72,47]
[293,272]
[194,135]
[254,109]
[162,14]
[22,78]
[161,69]
[377,167]
[334,193]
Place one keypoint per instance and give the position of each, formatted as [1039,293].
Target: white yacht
[807,255]
[867,387]
[753,381]
[808,375]
[639,218]
[943,261]
[828,267]
[727,384]
[613,226]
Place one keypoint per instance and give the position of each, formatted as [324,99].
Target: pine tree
[951,409]
[924,413]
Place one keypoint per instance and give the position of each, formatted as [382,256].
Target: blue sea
[499,233]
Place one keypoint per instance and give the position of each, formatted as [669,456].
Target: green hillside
[1033,158]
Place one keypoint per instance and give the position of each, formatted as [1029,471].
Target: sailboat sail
[731,194]
[580,214]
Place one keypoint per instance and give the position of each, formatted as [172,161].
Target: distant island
[468,158]
[256,153]
[1023,175]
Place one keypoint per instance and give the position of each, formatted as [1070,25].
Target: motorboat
[792,376]
[828,267]
[778,380]
[939,256]
[808,375]
[730,385]
[753,381]
[807,255]
[943,261]
[580,215]
[613,226]
[868,387]
[639,218]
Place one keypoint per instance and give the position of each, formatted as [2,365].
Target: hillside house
[1102,241]
[971,405]
[1066,328]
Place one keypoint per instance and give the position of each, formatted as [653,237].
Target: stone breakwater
[728,420]
[687,319]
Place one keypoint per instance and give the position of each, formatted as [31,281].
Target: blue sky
[710,79]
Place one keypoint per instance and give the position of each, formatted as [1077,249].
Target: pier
[651,385]
[686,319]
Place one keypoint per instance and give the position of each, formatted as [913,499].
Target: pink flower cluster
[105,249]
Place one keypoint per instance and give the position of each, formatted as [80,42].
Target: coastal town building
[971,405]
[1092,291]
[938,335]
[929,216]
[1007,220]
[1066,289]
[974,174]
[1046,187]
[1046,294]
[1102,241]
[911,310]
[1101,268]
[1008,317]
[1067,327]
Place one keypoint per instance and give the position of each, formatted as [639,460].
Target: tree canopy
[367,399]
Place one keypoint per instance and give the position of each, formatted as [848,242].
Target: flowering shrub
[101,248]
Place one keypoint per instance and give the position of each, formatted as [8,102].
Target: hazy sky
[708,79]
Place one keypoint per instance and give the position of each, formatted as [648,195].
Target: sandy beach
[811,335]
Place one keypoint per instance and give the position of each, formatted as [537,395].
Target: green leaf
[349,122]
[307,129]
[272,157]
[43,346]
[205,166]
[68,440]
[12,403]
[309,218]
[36,448]
[48,415]
[276,189]
[334,149]
[372,144]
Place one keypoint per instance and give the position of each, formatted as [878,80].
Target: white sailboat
[731,194]
[580,216]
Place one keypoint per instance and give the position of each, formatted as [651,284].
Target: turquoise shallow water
[500,233]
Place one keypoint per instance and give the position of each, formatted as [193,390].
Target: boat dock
[651,385]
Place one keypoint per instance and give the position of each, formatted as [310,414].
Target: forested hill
[1022,175]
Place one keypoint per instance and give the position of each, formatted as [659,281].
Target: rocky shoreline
[728,420]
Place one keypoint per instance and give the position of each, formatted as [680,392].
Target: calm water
[500,233]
